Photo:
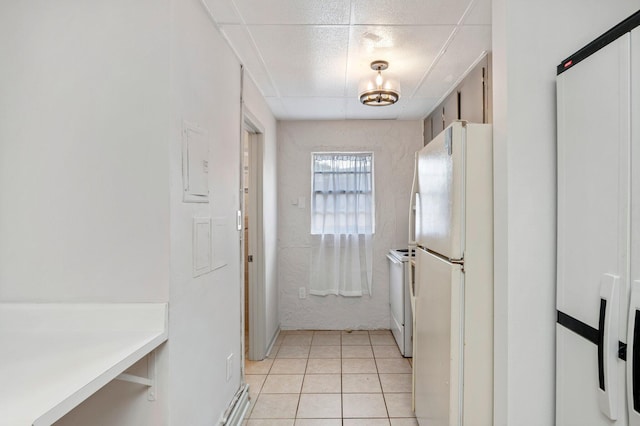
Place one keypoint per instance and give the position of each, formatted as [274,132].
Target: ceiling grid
[308,57]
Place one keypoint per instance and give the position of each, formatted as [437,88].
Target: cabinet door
[427,131]
[450,109]
[633,351]
[472,95]
[437,122]
[593,235]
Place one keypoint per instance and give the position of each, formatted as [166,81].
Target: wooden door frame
[257,296]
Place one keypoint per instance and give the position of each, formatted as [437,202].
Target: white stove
[400,300]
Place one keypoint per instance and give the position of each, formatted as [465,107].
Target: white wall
[93,100]
[204,316]
[394,144]
[529,41]
[257,107]
[84,170]
[83,152]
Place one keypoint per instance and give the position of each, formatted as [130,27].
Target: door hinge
[250,258]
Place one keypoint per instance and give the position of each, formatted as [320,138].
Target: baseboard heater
[237,409]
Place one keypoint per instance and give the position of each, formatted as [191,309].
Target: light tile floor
[331,378]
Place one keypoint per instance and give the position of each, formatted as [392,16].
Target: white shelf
[54,356]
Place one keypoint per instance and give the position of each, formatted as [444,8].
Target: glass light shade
[372,94]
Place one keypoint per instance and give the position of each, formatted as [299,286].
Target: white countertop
[54,356]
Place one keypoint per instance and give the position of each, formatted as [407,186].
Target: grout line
[341,373]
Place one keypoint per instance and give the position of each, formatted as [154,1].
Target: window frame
[312,189]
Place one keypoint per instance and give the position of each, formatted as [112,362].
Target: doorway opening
[253,248]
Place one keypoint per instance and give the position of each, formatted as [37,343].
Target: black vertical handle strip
[603,311]
[587,332]
[636,360]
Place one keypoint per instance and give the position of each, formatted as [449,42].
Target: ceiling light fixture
[381,92]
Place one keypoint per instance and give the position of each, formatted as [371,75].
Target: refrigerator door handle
[633,356]
[412,206]
[608,346]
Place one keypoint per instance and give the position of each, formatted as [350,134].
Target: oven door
[396,300]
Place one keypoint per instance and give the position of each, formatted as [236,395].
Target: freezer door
[593,236]
[440,193]
[437,357]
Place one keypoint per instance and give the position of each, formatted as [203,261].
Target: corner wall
[529,41]
[394,144]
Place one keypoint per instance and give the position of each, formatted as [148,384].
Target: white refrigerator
[452,207]
[598,243]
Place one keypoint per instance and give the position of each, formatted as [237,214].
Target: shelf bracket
[149,381]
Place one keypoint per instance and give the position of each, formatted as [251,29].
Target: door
[256,344]
[593,227]
[437,357]
[440,200]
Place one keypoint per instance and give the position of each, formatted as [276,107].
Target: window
[342,198]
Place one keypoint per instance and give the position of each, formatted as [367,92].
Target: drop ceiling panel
[222,11]
[294,12]
[410,50]
[277,108]
[467,46]
[304,60]
[407,12]
[314,108]
[417,108]
[308,57]
[244,47]
[480,14]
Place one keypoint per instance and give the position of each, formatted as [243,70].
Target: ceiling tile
[314,108]
[277,108]
[223,11]
[294,12]
[304,60]
[417,108]
[467,46]
[239,38]
[410,50]
[308,57]
[480,13]
[424,12]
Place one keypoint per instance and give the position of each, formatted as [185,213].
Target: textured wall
[394,144]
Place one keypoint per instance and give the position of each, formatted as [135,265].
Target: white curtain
[342,224]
